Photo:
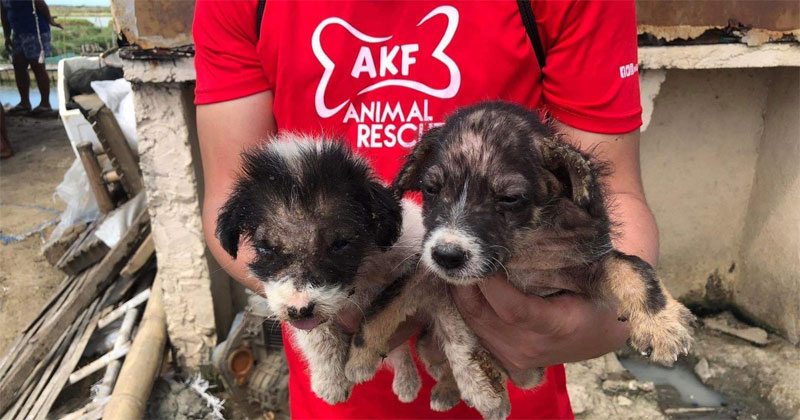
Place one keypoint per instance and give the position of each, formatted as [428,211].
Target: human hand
[524,331]
[351,319]
[54,23]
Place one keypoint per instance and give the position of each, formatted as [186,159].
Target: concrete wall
[768,288]
[720,165]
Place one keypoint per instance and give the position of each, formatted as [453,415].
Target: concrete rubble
[752,375]
[602,388]
[726,323]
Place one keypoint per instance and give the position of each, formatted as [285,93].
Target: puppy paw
[361,366]
[444,397]
[332,392]
[406,387]
[500,412]
[526,379]
[663,336]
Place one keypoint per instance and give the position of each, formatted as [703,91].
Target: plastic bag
[118,97]
[118,222]
[81,204]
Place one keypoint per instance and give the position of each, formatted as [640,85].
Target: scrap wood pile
[67,363]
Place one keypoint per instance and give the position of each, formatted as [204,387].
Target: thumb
[514,307]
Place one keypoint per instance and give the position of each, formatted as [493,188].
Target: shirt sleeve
[226,59]
[591,78]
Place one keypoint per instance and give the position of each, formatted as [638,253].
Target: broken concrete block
[723,324]
[702,370]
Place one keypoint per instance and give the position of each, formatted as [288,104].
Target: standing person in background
[5,147]
[26,41]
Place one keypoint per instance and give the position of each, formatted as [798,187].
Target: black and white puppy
[502,191]
[327,236]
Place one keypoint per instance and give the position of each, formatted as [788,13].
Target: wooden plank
[69,361]
[139,258]
[43,375]
[95,176]
[55,301]
[122,158]
[96,279]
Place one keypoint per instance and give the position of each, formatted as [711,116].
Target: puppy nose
[301,313]
[449,256]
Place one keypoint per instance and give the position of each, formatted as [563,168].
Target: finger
[471,303]
[515,307]
[350,319]
[406,330]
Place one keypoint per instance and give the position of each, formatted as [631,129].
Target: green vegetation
[78,33]
[79,11]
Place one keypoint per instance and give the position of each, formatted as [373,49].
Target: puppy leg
[481,382]
[325,349]
[370,345]
[445,394]
[406,382]
[660,326]
[526,379]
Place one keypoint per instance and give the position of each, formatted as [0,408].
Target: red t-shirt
[380,73]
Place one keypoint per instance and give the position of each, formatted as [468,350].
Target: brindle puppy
[499,189]
[328,236]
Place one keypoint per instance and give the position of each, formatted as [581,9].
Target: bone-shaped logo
[438,53]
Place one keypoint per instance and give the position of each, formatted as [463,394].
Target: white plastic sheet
[81,204]
[118,97]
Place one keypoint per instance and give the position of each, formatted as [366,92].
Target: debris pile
[68,360]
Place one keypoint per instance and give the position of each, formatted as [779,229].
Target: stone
[628,387]
[623,401]
[723,323]
[702,370]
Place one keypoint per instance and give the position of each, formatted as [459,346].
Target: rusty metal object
[252,367]
[154,23]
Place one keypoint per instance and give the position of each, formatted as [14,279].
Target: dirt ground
[27,182]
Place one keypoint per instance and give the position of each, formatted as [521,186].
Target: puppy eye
[264,250]
[339,245]
[430,189]
[509,200]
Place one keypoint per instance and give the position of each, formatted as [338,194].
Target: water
[9,96]
[692,391]
[99,21]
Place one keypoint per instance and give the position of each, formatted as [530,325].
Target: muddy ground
[27,182]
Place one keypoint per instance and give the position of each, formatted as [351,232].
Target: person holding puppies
[380,74]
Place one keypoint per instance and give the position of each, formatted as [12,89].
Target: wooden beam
[95,175]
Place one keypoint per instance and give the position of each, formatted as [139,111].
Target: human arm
[224,130]
[6,27]
[529,331]
[42,9]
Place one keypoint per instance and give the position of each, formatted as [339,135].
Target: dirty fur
[501,189]
[327,236]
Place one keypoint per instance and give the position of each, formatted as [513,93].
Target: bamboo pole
[141,366]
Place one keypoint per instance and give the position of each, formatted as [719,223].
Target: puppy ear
[386,215]
[231,221]
[409,177]
[570,165]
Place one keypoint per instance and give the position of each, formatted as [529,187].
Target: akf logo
[388,68]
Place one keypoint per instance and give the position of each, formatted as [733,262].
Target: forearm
[637,232]
[226,129]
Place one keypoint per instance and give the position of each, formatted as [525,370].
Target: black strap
[529,21]
[260,16]
[525,11]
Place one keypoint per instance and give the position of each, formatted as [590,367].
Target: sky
[105,3]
